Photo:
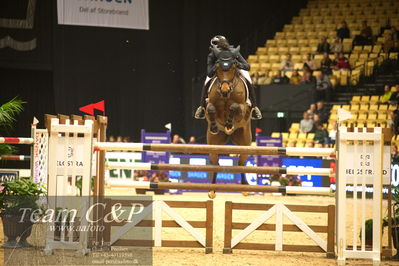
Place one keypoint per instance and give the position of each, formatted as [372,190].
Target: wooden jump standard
[220,149]
[222,169]
[229,187]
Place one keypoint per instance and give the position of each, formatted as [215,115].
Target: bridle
[232,83]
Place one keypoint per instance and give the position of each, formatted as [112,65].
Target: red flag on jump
[258,130]
[89,109]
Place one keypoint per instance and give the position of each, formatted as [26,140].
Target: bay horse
[227,111]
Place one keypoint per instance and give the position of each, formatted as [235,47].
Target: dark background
[147,78]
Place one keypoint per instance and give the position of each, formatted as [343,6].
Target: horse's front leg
[233,110]
[211,111]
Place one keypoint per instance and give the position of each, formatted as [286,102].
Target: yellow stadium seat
[273,58]
[263,58]
[300,144]
[288,28]
[279,35]
[292,136]
[302,42]
[347,45]
[364,107]
[282,50]
[285,135]
[365,99]
[357,49]
[367,49]
[276,66]
[355,99]
[294,126]
[255,66]
[362,117]
[294,51]
[363,57]
[275,134]
[346,107]
[271,43]
[355,107]
[265,66]
[333,117]
[261,50]
[372,116]
[336,107]
[302,136]
[252,59]
[392,107]
[383,107]
[310,136]
[375,99]
[376,48]
[370,124]
[373,107]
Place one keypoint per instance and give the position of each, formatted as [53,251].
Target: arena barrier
[229,187]
[155,209]
[39,147]
[359,158]
[279,210]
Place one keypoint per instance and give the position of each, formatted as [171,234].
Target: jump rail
[15,158]
[229,187]
[11,140]
[219,149]
[222,169]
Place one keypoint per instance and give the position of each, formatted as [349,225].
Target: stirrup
[256,113]
[200,113]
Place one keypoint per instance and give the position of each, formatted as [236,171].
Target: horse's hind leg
[234,107]
[211,111]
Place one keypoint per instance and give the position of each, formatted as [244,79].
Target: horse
[227,110]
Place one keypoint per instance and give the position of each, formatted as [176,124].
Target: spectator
[336,46]
[394,99]
[321,135]
[343,62]
[323,46]
[309,64]
[325,64]
[335,61]
[394,155]
[307,78]
[391,121]
[387,26]
[286,64]
[316,119]
[111,139]
[312,110]
[119,139]
[343,32]
[323,87]
[322,112]
[332,134]
[306,124]
[366,30]
[126,139]
[255,78]
[389,44]
[295,78]
[365,36]
[265,79]
[192,140]
[177,139]
[387,94]
[280,78]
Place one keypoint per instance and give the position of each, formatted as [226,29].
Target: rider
[222,43]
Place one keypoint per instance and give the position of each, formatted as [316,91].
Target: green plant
[8,112]
[368,226]
[18,194]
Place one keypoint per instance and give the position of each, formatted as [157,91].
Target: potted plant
[368,226]
[17,202]
[395,220]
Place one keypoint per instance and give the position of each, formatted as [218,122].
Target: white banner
[131,14]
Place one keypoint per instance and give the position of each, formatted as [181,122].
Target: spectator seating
[321,18]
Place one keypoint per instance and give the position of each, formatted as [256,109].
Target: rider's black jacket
[242,64]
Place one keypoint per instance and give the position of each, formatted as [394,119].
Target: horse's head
[226,69]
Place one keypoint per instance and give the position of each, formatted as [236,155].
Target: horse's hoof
[211,194]
[246,193]
[214,130]
[229,131]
